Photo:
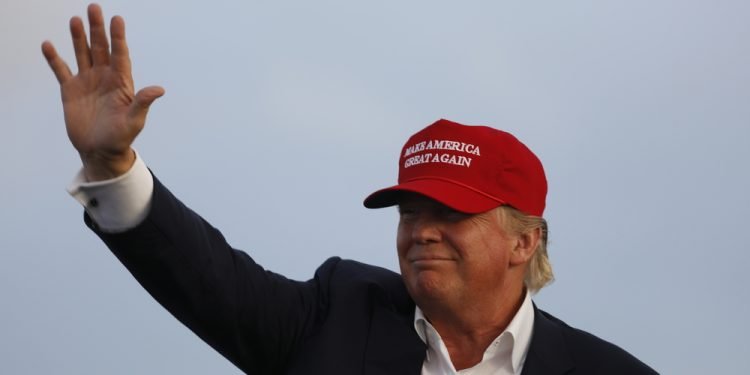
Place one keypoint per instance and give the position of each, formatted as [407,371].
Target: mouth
[419,256]
[429,260]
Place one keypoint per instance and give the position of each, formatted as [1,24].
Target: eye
[450,214]
[406,212]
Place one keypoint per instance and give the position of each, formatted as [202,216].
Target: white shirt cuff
[118,204]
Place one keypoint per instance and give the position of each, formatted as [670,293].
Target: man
[471,246]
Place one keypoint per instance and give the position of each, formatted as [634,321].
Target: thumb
[142,102]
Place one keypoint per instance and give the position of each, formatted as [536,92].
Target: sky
[280,117]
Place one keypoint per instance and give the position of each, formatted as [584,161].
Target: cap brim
[449,193]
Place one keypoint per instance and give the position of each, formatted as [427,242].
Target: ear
[526,244]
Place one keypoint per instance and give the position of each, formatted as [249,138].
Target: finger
[99,42]
[143,100]
[80,44]
[120,58]
[59,67]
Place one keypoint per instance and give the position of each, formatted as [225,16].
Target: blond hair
[539,272]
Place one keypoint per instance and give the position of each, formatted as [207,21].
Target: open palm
[103,114]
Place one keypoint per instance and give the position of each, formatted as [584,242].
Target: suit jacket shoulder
[557,348]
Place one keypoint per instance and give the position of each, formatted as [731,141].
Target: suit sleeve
[253,317]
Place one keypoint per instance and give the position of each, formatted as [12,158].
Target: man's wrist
[106,167]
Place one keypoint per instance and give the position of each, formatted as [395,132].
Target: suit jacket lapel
[393,345]
[548,354]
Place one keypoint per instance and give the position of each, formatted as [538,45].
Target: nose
[425,229]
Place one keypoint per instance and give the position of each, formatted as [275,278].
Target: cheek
[402,247]
[403,240]
[496,258]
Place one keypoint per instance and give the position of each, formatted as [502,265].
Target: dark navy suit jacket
[350,318]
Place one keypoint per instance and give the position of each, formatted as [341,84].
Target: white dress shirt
[122,203]
[505,355]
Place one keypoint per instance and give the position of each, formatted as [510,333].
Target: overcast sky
[280,117]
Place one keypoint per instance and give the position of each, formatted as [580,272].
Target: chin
[428,285]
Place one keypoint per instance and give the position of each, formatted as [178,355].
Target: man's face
[452,258]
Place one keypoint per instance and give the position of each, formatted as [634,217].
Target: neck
[467,331]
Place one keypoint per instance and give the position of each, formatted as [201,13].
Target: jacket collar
[548,354]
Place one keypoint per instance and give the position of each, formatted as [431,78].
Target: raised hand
[103,114]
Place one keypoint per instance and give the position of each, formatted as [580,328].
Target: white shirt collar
[511,345]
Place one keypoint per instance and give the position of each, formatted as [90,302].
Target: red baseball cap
[470,169]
